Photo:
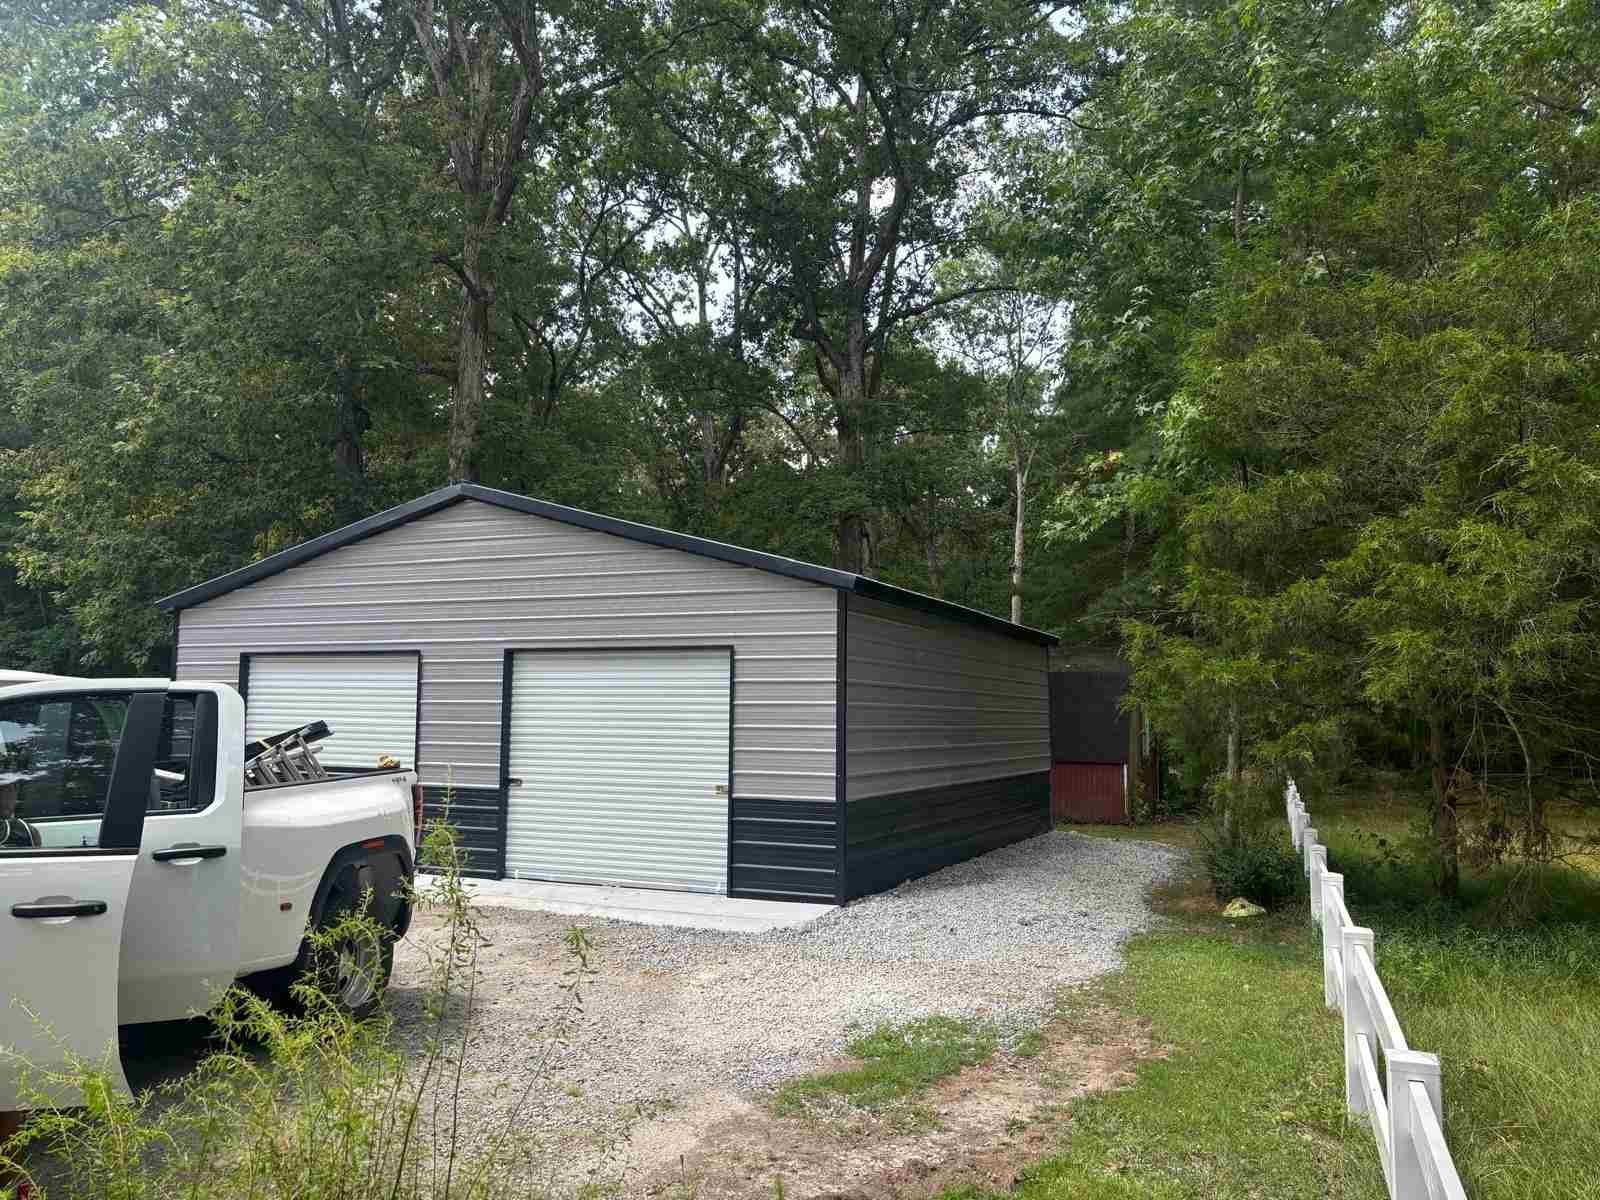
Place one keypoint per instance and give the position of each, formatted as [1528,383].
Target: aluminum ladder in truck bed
[287,757]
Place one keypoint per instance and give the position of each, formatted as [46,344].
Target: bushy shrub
[1251,866]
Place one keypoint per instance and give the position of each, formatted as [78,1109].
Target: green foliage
[1253,865]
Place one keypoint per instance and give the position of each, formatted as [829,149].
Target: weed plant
[316,1104]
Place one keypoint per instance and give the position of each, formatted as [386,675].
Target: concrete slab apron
[644,906]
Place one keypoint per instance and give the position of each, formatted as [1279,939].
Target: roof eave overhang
[444,497]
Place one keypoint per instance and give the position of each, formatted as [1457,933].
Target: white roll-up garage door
[368,700]
[623,763]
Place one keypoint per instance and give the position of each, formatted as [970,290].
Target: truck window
[172,790]
[56,757]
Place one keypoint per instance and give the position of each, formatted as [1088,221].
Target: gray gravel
[678,1012]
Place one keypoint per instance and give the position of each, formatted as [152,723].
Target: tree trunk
[1233,742]
[852,552]
[710,458]
[472,353]
[351,422]
[931,548]
[1019,480]
[1445,832]
[1130,529]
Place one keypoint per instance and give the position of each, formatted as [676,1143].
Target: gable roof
[422,506]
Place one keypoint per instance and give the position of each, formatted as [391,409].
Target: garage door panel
[621,759]
[368,700]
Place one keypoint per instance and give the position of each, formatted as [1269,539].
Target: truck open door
[76,761]
[180,948]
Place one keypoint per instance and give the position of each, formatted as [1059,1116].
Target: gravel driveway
[676,1014]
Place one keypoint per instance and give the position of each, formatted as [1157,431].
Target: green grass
[1248,1099]
[897,1064]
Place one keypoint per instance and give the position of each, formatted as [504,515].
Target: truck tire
[360,965]
[356,974]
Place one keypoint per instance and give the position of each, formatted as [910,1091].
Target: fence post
[1308,839]
[1406,1067]
[1357,1018]
[1319,869]
[1332,901]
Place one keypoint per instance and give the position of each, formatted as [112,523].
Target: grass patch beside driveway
[1248,1098]
[897,1064]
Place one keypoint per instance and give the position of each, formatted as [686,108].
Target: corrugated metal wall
[947,743]
[1093,792]
[471,581]
[932,702]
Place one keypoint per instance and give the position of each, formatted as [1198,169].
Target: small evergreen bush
[1249,865]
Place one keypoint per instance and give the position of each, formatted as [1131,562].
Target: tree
[511,78]
[1013,338]
[877,115]
[1397,401]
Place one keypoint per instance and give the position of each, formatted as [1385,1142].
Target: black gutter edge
[632,530]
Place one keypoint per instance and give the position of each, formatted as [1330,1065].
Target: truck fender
[381,865]
[378,865]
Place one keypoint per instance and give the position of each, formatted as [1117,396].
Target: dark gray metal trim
[904,835]
[784,850]
[505,760]
[841,745]
[634,531]
[478,814]
[733,682]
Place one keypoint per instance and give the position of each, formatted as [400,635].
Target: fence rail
[1396,1087]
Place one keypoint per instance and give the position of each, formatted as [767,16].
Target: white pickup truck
[140,874]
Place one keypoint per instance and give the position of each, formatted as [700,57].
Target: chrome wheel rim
[356,978]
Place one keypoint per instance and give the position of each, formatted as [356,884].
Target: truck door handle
[187,856]
[58,908]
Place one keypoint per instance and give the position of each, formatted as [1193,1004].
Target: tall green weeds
[318,1105]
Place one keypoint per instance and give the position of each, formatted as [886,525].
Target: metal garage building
[606,702]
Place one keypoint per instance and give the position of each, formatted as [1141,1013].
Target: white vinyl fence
[1396,1086]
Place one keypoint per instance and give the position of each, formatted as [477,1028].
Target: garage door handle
[58,909]
[187,856]
[513,783]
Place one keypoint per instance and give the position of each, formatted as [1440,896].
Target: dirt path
[981,1127]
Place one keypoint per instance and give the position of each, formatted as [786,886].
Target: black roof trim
[456,492]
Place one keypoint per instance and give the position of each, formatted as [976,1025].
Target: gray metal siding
[467,583]
[931,702]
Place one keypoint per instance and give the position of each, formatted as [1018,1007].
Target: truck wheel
[353,974]
[359,965]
